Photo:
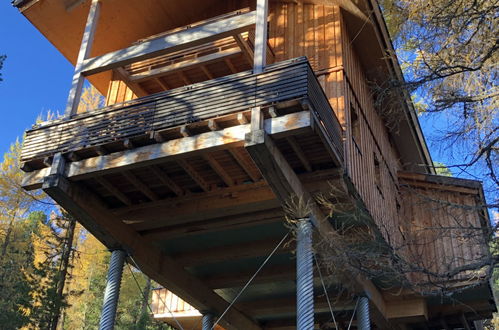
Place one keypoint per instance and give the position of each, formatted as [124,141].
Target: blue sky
[36,77]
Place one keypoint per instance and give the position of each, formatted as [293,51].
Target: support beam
[92,213]
[243,45]
[299,152]
[112,293]
[170,43]
[83,54]
[260,58]
[207,321]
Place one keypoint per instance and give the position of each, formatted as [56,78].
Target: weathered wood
[193,173]
[140,185]
[260,56]
[170,43]
[83,54]
[90,211]
[299,152]
[113,190]
[215,165]
[163,177]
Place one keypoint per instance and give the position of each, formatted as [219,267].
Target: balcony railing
[140,118]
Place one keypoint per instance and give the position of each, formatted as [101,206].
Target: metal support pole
[112,292]
[363,314]
[207,321]
[304,276]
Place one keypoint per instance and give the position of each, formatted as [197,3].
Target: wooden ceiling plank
[141,186]
[91,212]
[170,43]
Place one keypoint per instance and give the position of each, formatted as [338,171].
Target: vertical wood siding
[442,231]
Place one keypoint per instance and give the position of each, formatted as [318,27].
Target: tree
[448,51]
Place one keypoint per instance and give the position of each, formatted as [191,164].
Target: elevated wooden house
[218,114]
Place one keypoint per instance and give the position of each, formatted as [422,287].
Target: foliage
[448,50]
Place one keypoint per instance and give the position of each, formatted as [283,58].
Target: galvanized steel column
[207,321]
[363,314]
[112,292]
[304,276]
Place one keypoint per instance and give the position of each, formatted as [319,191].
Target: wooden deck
[151,119]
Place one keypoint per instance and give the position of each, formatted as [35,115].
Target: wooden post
[84,53]
[260,57]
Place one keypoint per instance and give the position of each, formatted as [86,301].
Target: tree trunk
[145,299]
[66,255]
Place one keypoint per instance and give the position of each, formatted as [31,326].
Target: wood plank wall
[442,230]
[118,91]
[371,160]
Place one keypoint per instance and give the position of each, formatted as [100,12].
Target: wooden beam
[231,66]
[411,309]
[193,173]
[92,213]
[299,152]
[169,43]
[113,190]
[246,164]
[125,77]
[214,225]
[207,72]
[140,185]
[215,165]
[85,49]
[165,179]
[245,48]
[162,84]
[260,57]
[196,207]
[231,252]
[184,65]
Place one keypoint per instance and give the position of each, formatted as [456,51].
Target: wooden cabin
[210,129]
